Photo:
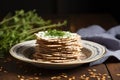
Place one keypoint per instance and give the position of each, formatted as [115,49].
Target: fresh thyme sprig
[20,27]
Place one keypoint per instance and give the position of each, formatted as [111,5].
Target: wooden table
[13,69]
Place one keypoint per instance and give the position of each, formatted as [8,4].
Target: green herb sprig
[55,33]
[20,27]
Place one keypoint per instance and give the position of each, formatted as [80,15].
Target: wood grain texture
[114,69]
[12,69]
[84,20]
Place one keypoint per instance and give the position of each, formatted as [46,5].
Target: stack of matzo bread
[56,48]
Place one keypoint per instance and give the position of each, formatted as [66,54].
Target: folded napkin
[110,39]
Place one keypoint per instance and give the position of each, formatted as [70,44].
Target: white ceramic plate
[24,50]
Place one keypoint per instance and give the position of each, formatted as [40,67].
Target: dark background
[60,7]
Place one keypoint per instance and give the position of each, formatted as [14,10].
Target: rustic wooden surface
[13,69]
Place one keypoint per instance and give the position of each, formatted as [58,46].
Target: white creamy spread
[42,34]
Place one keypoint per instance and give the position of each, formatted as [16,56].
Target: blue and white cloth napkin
[110,39]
